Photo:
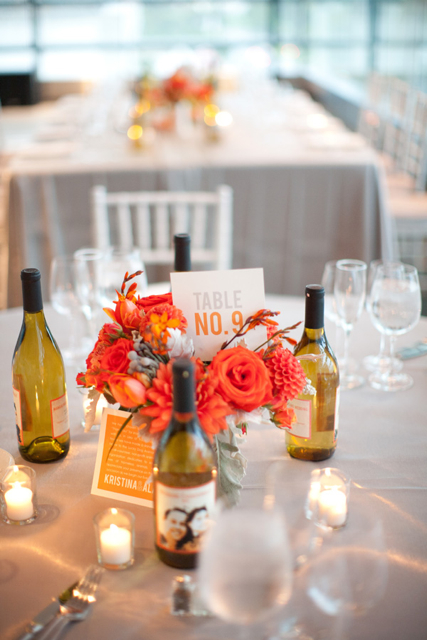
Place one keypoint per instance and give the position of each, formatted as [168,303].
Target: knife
[42,618]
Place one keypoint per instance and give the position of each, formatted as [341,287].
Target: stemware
[349,292]
[63,297]
[395,309]
[347,568]
[89,264]
[328,283]
[245,567]
[381,360]
[118,261]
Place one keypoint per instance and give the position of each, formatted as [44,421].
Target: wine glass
[89,265]
[118,261]
[63,297]
[395,309]
[349,292]
[347,568]
[328,283]
[245,566]
[382,360]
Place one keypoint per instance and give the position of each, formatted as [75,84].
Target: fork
[77,607]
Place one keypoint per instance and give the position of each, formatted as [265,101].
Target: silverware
[76,607]
[43,617]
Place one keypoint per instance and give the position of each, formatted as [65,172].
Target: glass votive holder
[331,508]
[313,494]
[18,495]
[115,538]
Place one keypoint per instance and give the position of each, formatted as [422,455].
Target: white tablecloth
[301,196]
[382,446]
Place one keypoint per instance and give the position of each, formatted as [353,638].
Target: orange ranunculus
[126,390]
[147,303]
[243,379]
[115,357]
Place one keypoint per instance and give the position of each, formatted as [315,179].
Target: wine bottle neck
[32,297]
[315,335]
[314,313]
[182,252]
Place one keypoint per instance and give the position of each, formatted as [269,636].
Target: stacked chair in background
[395,122]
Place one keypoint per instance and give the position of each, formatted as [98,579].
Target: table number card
[216,304]
[126,474]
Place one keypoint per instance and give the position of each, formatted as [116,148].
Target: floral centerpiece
[180,86]
[131,364]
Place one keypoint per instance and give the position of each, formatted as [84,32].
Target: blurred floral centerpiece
[164,95]
[131,364]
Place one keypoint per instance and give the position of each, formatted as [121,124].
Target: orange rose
[126,390]
[149,302]
[243,379]
[115,358]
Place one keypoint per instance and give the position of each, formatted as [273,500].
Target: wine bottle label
[301,428]
[183,515]
[18,415]
[337,410]
[59,416]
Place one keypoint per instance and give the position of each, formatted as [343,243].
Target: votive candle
[19,502]
[116,545]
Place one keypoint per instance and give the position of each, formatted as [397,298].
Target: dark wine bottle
[38,380]
[184,473]
[182,243]
[314,435]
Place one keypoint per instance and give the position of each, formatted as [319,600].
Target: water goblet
[395,309]
[347,568]
[63,297]
[118,261]
[349,292]
[89,264]
[382,360]
[328,283]
[245,567]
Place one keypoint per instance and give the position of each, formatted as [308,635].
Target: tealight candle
[18,495]
[114,530]
[19,502]
[332,505]
[115,545]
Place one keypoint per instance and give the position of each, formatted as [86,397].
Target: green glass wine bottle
[184,473]
[314,435]
[38,381]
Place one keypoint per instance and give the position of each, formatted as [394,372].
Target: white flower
[179,345]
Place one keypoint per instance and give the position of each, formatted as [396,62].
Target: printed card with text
[216,304]
[125,474]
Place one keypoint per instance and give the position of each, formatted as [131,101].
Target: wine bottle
[314,434]
[184,474]
[182,243]
[38,380]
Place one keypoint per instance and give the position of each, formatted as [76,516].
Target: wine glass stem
[392,349]
[347,332]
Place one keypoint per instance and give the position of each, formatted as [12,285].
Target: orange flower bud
[126,390]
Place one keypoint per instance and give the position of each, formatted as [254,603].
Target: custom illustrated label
[59,416]
[183,515]
[18,415]
[302,427]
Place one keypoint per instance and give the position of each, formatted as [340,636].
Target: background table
[382,446]
[301,195]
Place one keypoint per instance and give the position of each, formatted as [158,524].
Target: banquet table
[382,446]
[302,194]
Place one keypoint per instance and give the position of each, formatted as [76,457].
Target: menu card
[216,304]
[124,474]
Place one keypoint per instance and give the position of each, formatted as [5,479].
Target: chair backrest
[149,220]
